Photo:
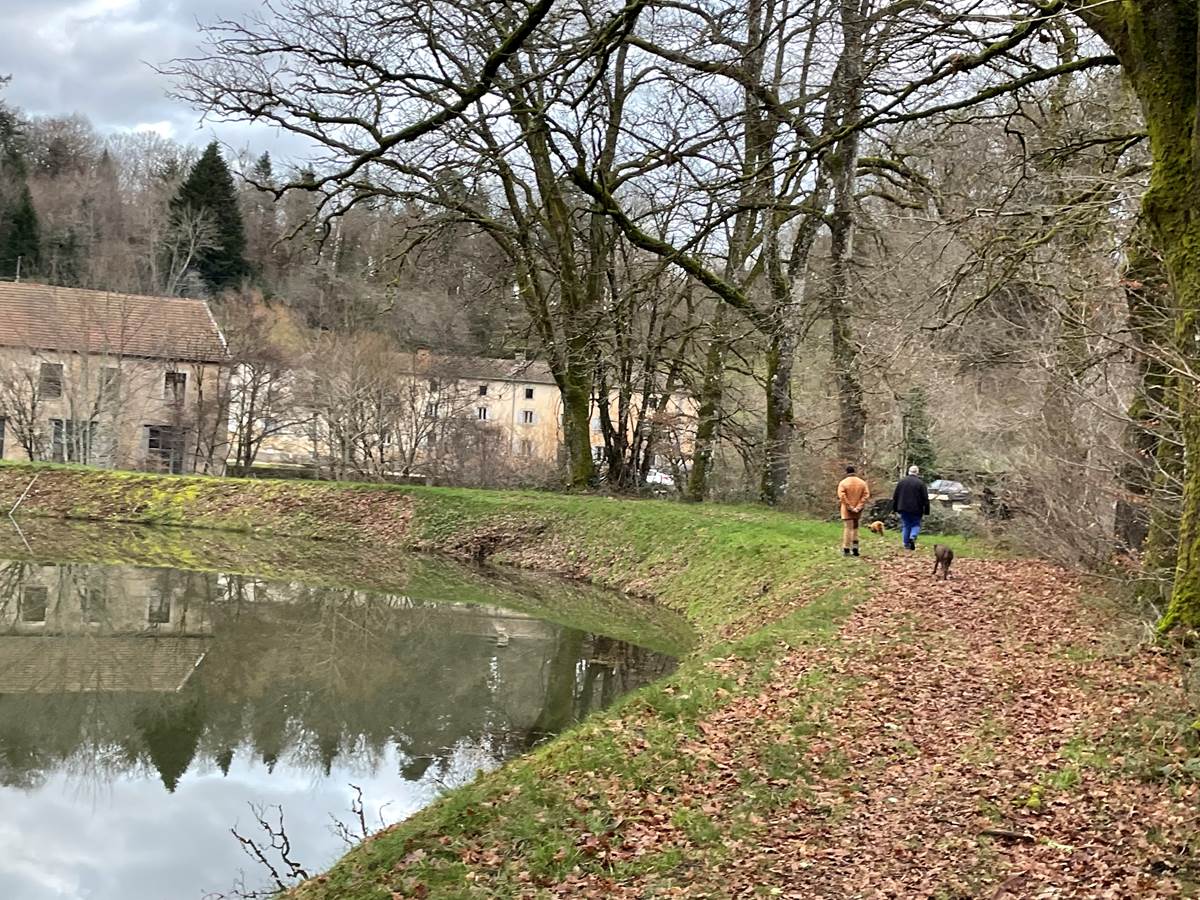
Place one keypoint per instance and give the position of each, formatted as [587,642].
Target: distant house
[114,380]
[473,419]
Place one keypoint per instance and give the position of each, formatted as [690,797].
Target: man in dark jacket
[911,500]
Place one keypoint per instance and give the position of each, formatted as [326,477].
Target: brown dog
[942,557]
[876,527]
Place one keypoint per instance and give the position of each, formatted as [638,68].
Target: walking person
[853,495]
[911,501]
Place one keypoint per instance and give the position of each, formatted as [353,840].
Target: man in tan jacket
[853,495]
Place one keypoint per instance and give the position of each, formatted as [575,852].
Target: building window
[526,448]
[159,610]
[34,600]
[483,390]
[431,410]
[164,448]
[528,393]
[71,440]
[482,412]
[109,382]
[93,606]
[652,402]
[596,424]
[527,417]
[174,386]
[598,454]
[434,386]
[50,381]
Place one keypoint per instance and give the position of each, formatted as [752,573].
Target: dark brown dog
[942,557]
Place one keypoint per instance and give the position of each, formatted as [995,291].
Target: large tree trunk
[852,413]
[1156,42]
[576,389]
[778,445]
[708,415]
[1143,517]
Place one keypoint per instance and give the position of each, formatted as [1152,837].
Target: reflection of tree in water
[317,677]
[170,734]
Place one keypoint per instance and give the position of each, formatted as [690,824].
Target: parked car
[949,491]
[655,478]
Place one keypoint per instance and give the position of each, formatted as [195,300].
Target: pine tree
[209,190]
[20,239]
[918,442]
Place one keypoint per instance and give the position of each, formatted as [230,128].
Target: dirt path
[969,744]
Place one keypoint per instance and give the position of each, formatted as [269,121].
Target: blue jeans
[910,527]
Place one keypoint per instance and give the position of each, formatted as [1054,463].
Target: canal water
[145,711]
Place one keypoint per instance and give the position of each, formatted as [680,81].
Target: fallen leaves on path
[960,739]
[959,774]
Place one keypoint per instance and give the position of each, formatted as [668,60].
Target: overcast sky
[94,57]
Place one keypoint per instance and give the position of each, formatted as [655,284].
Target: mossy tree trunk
[708,415]
[1156,43]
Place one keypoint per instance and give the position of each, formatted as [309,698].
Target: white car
[659,479]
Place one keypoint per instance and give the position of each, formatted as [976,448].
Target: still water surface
[143,709]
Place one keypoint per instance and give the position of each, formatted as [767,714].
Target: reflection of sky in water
[132,840]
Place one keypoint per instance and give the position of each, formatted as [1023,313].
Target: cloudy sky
[94,57]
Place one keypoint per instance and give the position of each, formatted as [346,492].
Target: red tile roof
[42,317]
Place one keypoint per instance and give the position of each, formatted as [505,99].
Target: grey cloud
[96,57]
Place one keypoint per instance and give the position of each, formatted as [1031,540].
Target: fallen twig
[1010,835]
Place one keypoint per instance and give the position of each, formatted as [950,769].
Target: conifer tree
[209,191]
[20,239]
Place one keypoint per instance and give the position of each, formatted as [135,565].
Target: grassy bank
[622,797]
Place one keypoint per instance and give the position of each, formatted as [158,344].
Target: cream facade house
[113,380]
[419,414]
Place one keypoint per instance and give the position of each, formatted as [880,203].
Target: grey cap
[914,470]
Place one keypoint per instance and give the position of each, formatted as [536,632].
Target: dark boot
[845,551]
[855,551]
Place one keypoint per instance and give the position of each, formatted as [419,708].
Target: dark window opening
[174,386]
[50,381]
[159,611]
[528,393]
[483,390]
[164,448]
[34,600]
[527,416]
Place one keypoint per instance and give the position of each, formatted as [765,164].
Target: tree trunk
[778,445]
[1156,43]
[852,413]
[577,436]
[1160,42]
[1141,506]
[708,415]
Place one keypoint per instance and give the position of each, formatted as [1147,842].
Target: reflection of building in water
[86,599]
[79,628]
[97,658]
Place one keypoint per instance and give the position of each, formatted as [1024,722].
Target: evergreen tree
[918,440]
[20,240]
[209,190]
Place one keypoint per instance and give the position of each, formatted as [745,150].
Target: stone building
[113,380]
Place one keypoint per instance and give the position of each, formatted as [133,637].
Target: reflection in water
[156,703]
